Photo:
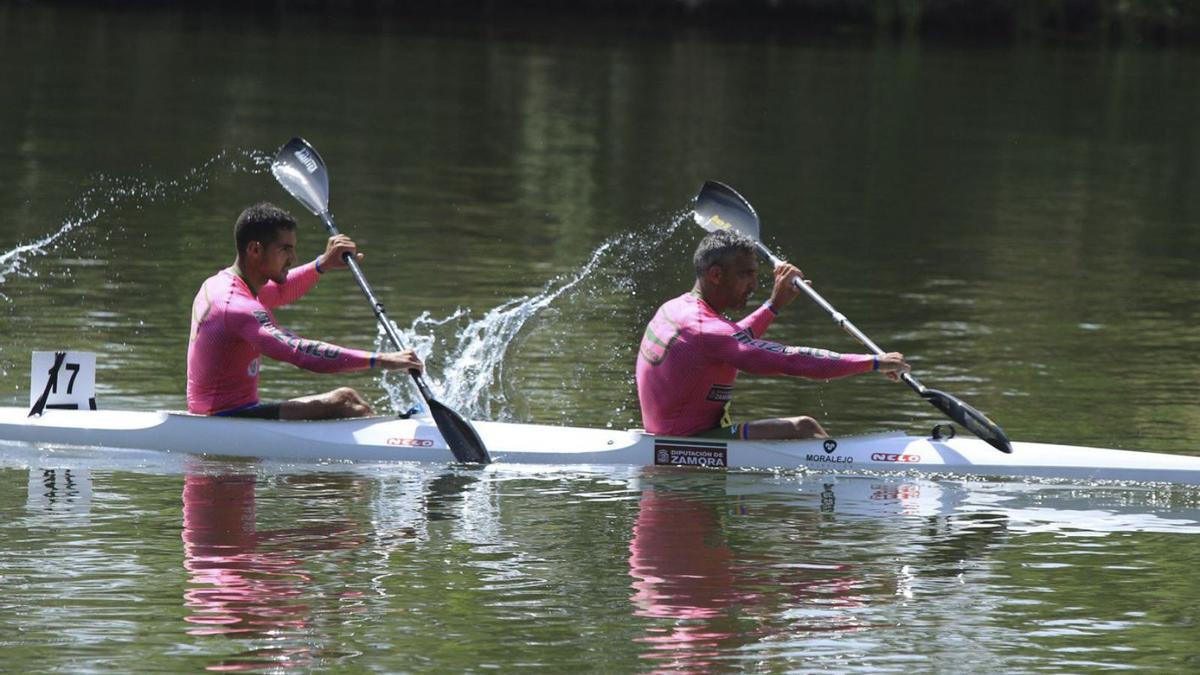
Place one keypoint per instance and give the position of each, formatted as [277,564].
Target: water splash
[12,262]
[472,379]
[109,193]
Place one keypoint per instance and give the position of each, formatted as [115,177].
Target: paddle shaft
[840,319]
[376,305]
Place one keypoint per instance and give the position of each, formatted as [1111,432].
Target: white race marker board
[76,386]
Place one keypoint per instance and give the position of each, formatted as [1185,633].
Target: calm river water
[1022,222]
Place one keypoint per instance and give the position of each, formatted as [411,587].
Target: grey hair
[720,248]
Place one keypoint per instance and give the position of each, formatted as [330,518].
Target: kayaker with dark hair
[690,354]
[232,327]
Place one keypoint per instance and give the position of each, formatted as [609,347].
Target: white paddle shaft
[840,319]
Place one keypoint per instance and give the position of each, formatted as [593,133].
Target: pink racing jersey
[690,357]
[232,329]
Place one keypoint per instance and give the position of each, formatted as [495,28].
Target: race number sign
[63,380]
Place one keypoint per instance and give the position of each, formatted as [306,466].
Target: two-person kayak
[390,439]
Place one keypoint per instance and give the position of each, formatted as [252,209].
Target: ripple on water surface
[405,567]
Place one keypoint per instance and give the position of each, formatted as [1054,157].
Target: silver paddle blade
[720,207]
[300,170]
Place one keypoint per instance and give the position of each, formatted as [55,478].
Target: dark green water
[190,565]
[1020,222]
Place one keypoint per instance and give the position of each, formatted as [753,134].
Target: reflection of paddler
[681,562]
[218,511]
[686,568]
[683,570]
[235,587]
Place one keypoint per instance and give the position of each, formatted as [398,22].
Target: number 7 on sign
[44,375]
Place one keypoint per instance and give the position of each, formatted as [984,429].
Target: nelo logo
[411,442]
[830,445]
[891,457]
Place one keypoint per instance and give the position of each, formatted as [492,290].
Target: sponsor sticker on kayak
[411,442]
[894,457]
[828,459]
[690,453]
[829,446]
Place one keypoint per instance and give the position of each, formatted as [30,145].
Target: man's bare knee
[341,402]
[781,428]
[350,402]
[807,427]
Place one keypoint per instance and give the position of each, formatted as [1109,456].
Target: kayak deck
[391,439]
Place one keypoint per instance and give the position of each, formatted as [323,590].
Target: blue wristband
[771,307]
[317,263]
[876,366]
[374,356]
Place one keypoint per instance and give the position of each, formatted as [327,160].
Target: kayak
[376,439]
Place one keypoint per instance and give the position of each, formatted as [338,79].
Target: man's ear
[713,274]
[254,248]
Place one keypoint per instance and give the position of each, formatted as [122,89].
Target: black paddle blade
[460,436]
[971,419]
[300,170]
[720,207]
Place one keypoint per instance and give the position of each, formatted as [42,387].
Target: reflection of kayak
[384,438]
[1043,505]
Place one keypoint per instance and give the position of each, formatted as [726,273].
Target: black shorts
[258,411]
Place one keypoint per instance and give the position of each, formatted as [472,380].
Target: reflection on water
[238,586]
[428,568]
[59,492]
[710,598]
[258,586]
[241,582]
[789,570]
[683,571]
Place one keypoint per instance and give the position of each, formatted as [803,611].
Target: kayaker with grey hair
[233,326]
[720,248]
[691,354]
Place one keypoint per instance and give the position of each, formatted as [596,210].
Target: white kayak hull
[389,439]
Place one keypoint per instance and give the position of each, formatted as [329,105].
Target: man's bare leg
[785,427]
[339,403]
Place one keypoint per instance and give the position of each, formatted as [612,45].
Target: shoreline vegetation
[1098,22]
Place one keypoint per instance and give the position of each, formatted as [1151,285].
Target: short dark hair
[720,248]
[261,222]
